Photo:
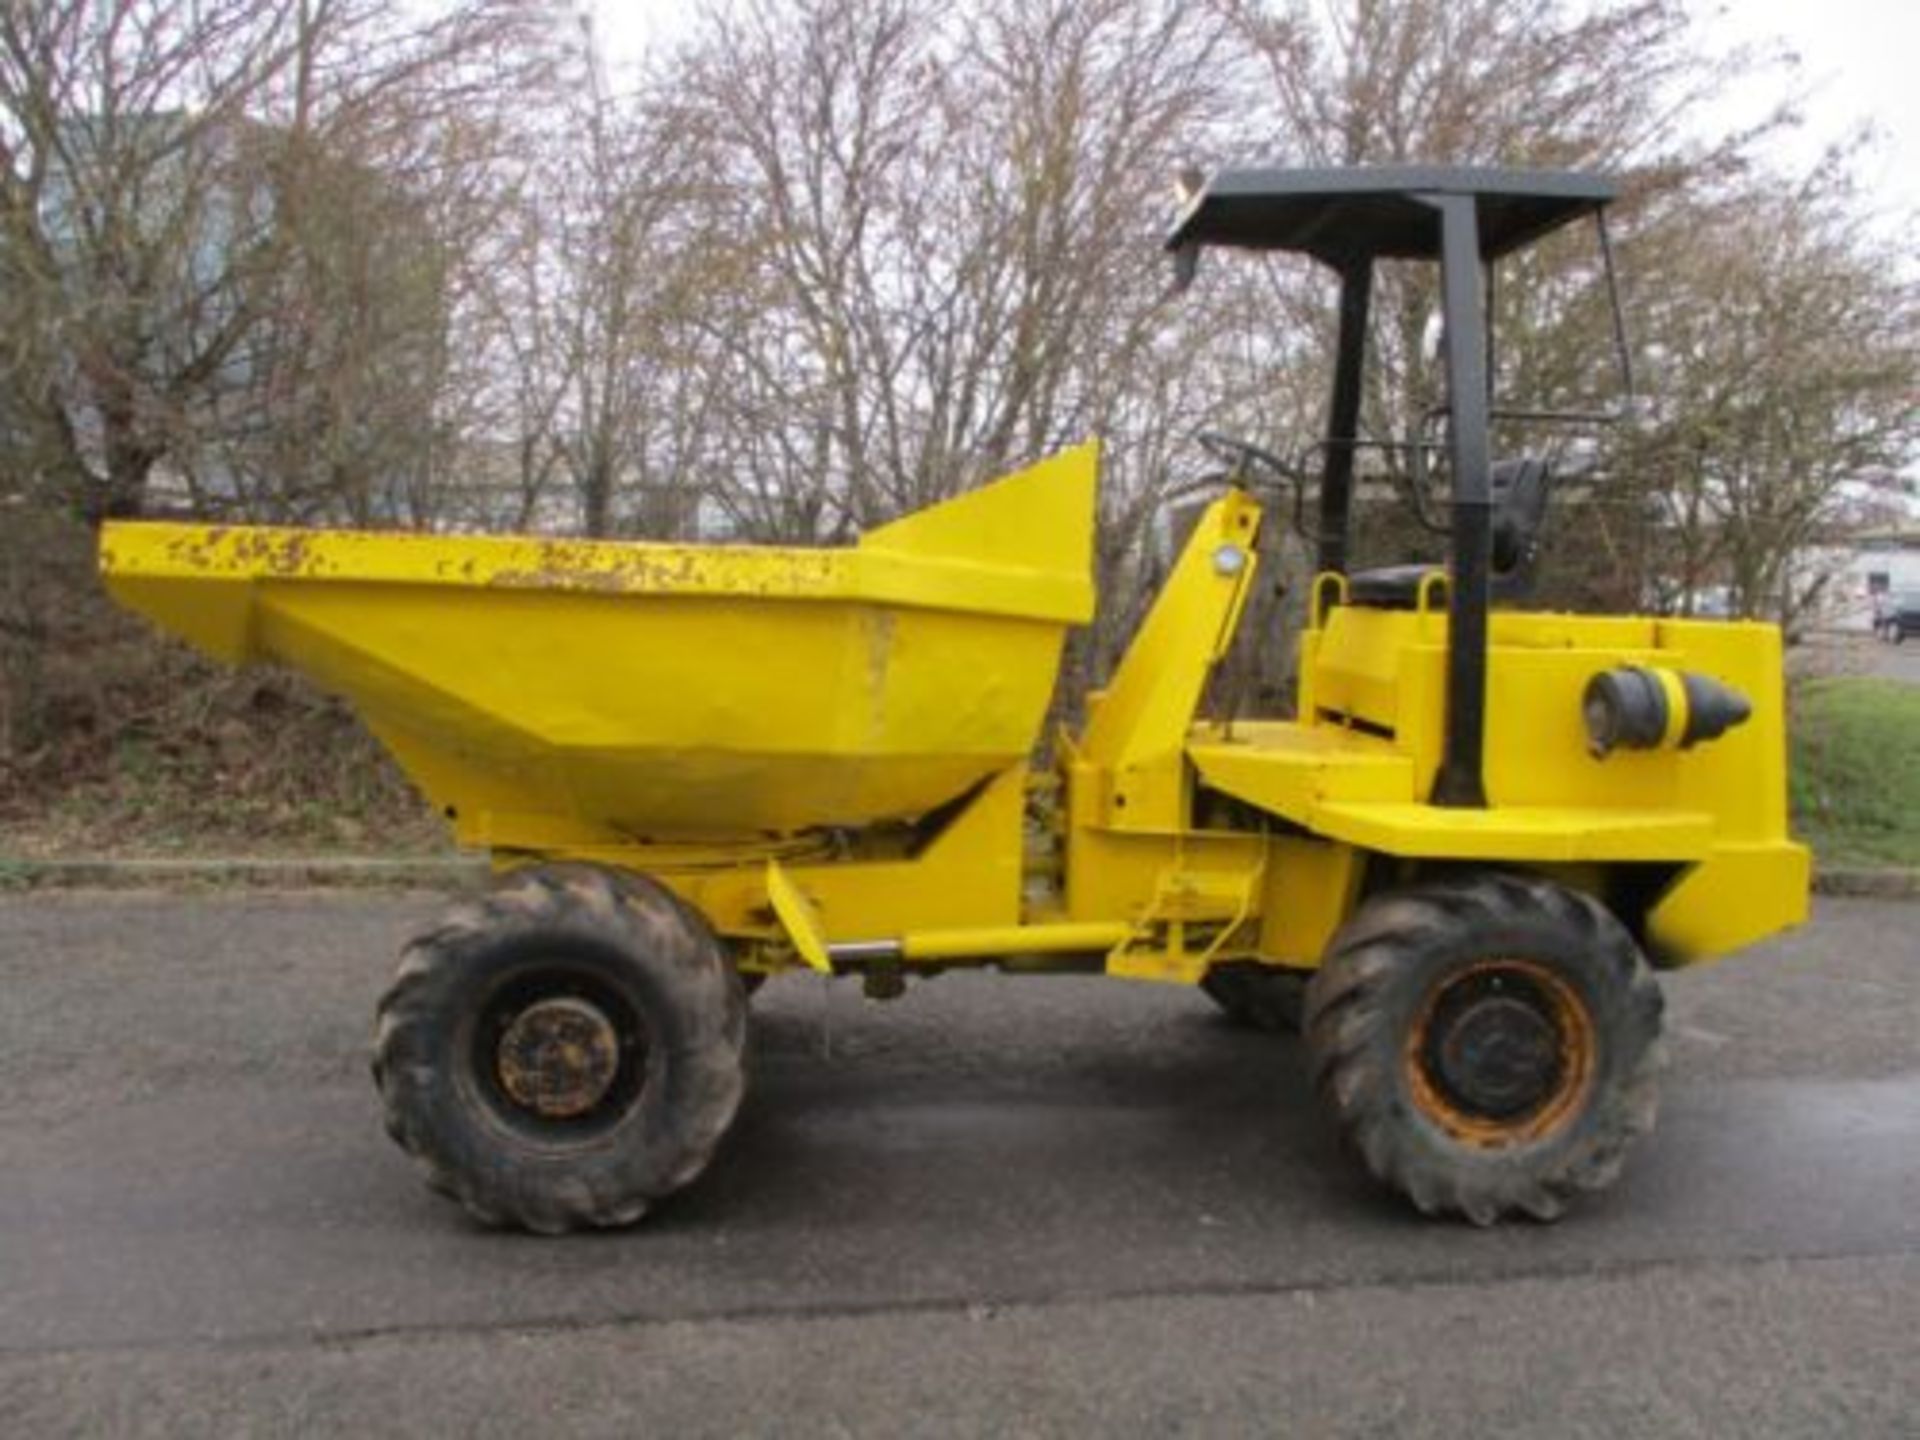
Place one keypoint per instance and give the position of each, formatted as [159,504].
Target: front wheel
[1488,1047]
[565,1052]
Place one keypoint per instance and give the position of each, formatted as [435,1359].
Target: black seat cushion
[1393,587]
[1519,491]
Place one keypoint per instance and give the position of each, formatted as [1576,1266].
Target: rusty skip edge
[152,550]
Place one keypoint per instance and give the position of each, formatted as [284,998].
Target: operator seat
[1519,490]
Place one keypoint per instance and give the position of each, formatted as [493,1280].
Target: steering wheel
[1236,455]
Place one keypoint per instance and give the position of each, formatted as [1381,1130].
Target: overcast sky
[1860,61]
[1857,64]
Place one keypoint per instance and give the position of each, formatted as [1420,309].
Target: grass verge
[1856,770]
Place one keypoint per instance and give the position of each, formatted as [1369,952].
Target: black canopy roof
[1369,212]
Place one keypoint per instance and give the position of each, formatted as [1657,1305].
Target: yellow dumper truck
[1457,867]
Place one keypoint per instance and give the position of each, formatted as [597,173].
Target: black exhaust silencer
[1636,707]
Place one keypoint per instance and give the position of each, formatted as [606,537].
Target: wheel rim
[1502,1053]
[558,1057]
[558,1053]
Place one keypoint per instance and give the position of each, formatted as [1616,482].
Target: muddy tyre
[1258,996]
[1487,1047]
[564,1052]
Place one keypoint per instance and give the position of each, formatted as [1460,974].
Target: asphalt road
[1851,653]
[997,1206]
[1896,662]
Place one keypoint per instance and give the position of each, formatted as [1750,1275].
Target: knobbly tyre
[1458,868]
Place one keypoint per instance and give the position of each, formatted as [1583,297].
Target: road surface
[1035,1206]
[1847,653]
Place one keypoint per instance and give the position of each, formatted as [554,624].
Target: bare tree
[1781,379]
[164,173]
[341,261]
[944,230]
[1617,86]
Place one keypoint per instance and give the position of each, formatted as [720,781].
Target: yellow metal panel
[1290,770]
[1021,546]
[771,730]
[1137,733]
[795,913]
[1508,832]
[676,718]
[1385,668]
[926,945]
[1192,918]
[967,877]
[1740,894]
[661,692]
[1310,890]
[1115,874]
[1050,504]
[1359,662]
[1742,775]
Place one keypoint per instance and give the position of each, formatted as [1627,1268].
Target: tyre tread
[652,927]
[1353,1050]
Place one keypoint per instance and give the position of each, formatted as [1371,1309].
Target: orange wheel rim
[1501,1054]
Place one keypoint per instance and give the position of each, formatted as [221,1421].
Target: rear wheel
[564,1052]
[1262,997]
[1487,1047]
